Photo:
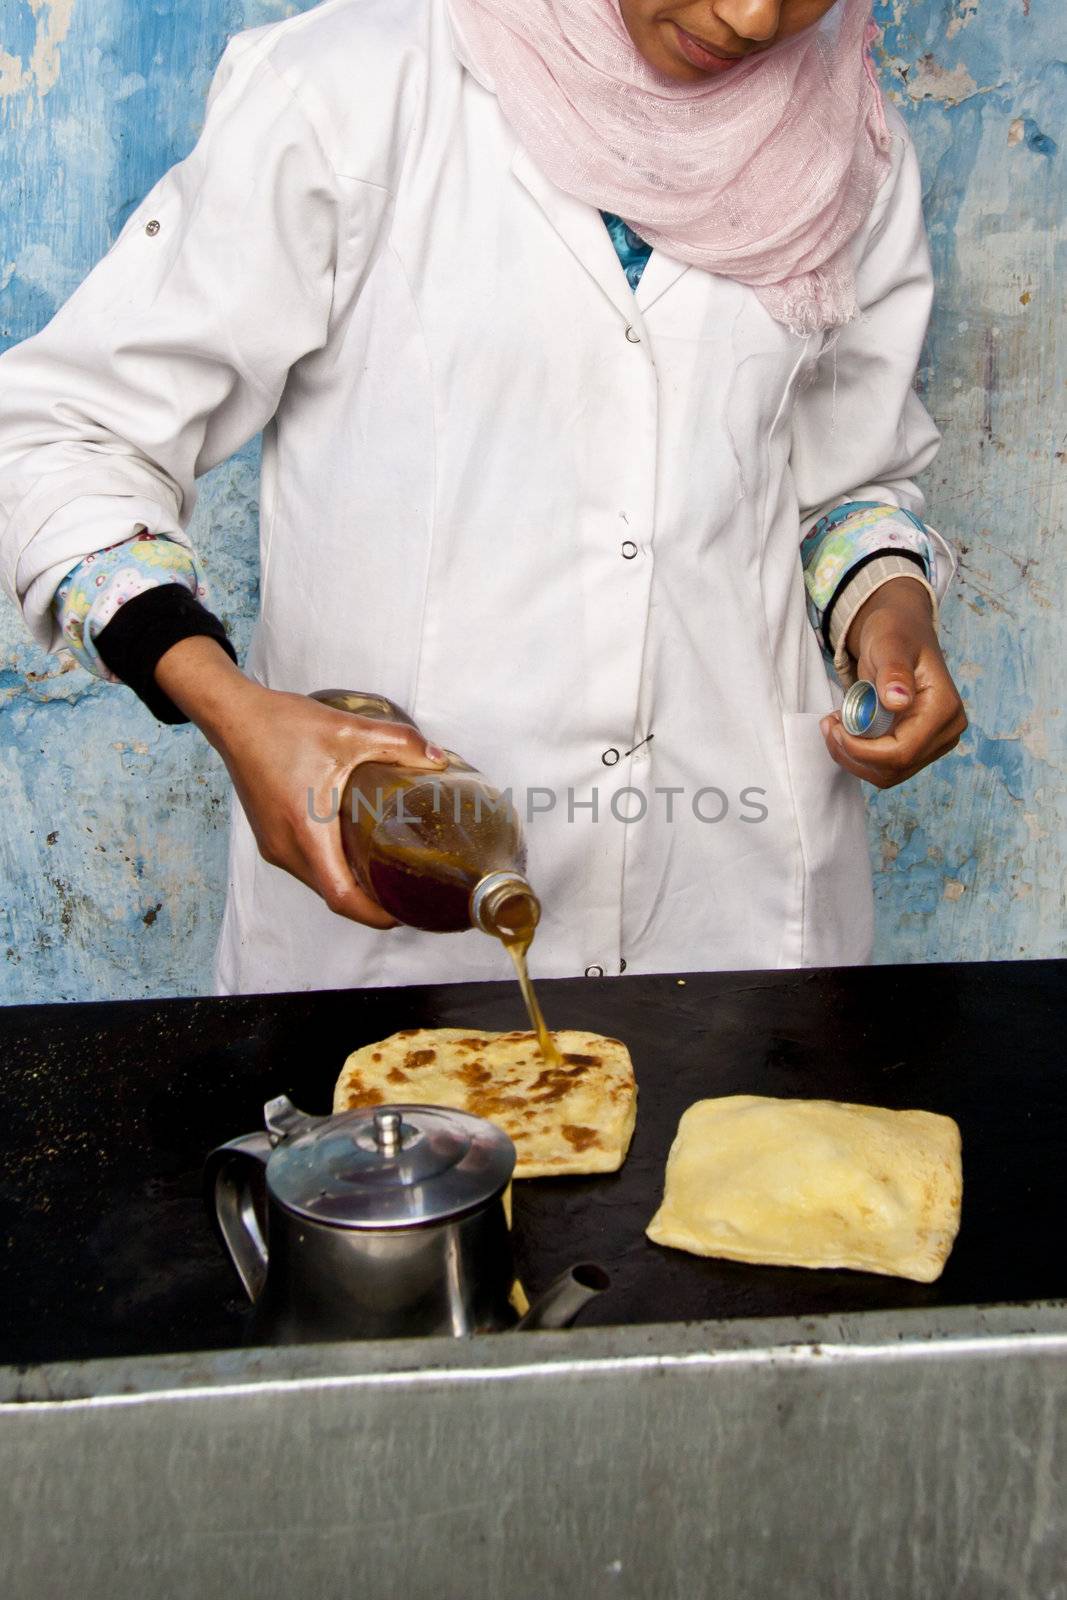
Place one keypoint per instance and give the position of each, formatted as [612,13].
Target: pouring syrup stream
[513,921]
[551,1054]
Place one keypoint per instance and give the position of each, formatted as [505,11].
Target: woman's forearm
[204,684]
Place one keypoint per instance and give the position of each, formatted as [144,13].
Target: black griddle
[108,1110]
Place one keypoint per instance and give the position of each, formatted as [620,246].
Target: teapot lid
[390,1167]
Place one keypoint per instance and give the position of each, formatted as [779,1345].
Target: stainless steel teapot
[380,1224]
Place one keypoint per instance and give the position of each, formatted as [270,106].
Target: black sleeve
[144,629]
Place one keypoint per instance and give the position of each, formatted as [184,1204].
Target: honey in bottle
[439,850]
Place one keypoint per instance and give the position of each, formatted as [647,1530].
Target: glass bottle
[440,850]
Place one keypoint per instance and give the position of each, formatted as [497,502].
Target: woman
[566,321]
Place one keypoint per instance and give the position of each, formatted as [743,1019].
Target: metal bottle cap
[862,713]
[390,1167]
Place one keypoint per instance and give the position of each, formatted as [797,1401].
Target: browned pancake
[574,1118]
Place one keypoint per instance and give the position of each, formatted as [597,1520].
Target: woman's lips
[698,55]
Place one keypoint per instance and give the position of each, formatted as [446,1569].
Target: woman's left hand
[893,641]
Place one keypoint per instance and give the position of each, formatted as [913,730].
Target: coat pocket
[837,916]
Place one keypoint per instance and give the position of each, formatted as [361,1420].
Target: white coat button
[629,550]
[633,336]
[610,757]
[152,228]
[594,972]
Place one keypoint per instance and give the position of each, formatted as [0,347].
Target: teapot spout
[562,1301]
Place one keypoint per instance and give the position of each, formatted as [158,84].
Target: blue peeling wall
[971,853]
[112,837]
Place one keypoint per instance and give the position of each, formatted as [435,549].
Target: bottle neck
[503,904]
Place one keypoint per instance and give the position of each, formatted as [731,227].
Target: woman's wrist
[207,687]
[907,598]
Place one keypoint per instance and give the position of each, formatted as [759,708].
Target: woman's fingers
[330,875]
[391,742]
[290,758]
[895,681]
[328,871]
[927,729]
[883,762]
[889,659]
[309,848]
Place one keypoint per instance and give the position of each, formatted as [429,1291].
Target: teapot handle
[233,1180]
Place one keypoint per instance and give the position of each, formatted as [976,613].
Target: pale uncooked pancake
[574,1118]
[813,1183]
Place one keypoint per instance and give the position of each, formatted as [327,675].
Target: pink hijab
[761,174]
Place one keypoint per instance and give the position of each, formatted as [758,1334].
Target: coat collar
[582,229]
[661,274]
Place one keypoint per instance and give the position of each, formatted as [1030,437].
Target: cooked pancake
[574,1118]
[813,1183]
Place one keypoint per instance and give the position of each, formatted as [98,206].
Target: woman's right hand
[289,757]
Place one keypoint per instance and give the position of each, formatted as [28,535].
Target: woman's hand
[289,756]
[892,639]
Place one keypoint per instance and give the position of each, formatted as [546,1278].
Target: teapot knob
[388,1132]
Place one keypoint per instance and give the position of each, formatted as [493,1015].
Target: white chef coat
[557,522]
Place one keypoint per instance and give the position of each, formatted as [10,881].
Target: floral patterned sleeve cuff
[88,598]
[851,552]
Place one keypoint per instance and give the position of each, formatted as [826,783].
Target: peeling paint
[930,81]
[40,269]
[963,15]
[39,72]
[113,848]
[995,213]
